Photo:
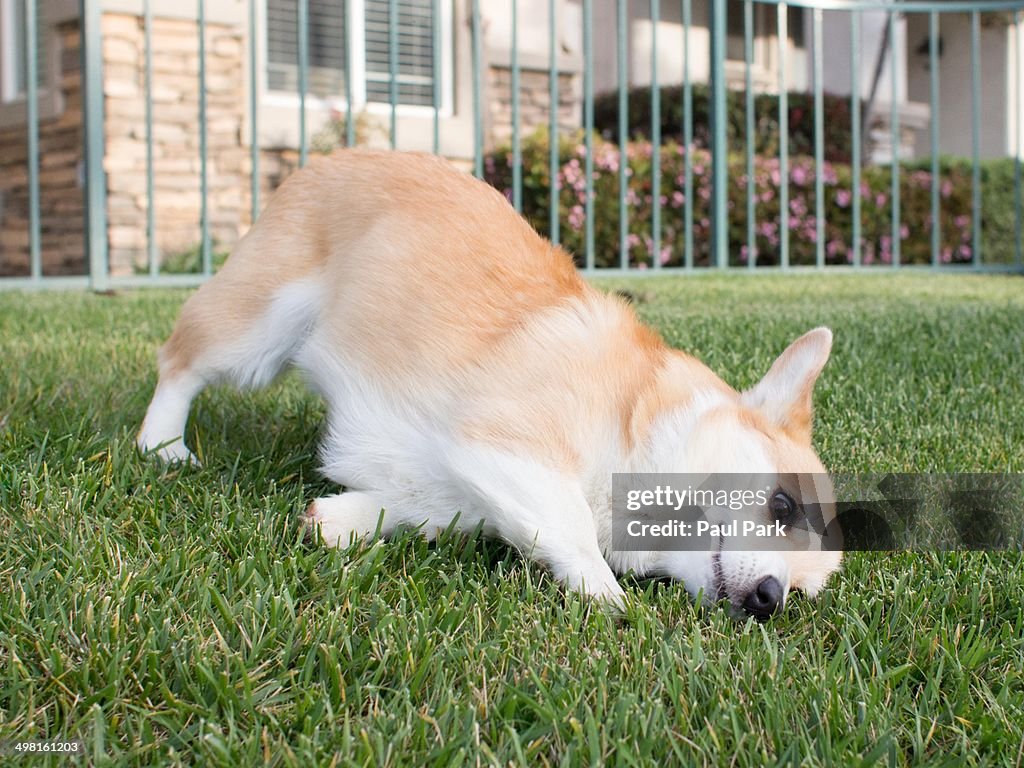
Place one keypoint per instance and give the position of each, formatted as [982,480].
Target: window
[370,42]
[415,52]
[327,44]
[13,72]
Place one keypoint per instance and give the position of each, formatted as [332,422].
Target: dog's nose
[762,602]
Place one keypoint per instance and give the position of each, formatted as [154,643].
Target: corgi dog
[473,377]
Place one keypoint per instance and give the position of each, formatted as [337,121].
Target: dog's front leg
[541,512]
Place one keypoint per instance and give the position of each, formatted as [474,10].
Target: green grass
[178,617]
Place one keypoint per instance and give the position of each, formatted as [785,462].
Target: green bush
[188,261]
[838,131]
[876,205]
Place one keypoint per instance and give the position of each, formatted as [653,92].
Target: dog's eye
[782,506]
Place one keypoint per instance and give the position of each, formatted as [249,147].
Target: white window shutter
[415,73]
[326,75]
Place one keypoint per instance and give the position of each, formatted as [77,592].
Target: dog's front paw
[343,518]
[610,596]
[172,452]
[599,584]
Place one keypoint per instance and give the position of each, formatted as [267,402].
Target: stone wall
[176,138]
[60,192]
[534,101]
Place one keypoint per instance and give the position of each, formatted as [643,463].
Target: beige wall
[997,97]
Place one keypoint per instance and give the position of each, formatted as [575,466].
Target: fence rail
[669,199]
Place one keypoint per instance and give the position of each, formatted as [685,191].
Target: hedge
[838,128]
[877,245]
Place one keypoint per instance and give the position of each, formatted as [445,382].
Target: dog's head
[763,440]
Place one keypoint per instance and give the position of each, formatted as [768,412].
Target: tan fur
[486,272]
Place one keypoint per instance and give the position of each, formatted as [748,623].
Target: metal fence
[691,218]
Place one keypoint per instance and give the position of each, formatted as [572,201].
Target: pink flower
[843,198]
[576,217]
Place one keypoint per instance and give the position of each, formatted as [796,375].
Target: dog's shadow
[270,434]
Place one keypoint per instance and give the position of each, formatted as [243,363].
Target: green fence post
[95,176]
[976,135]
[687,137]
[896,141]
[655,9]
[553,159]
[204,182]
[350,120]
[147,13]
[588,128]
[748,54]
[719,141]
[855,125]
[1017,148]
[303,22]
[933,66]
[819,142]
[623,53]
[783,27]
[393,70]
[254,139]
[517,148]
[32,139]
[478,130]
[435,50]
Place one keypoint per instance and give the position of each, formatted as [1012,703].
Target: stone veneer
[176,138]
[534,101]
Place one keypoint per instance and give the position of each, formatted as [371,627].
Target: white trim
[357,41]
[50,98]
[11,46]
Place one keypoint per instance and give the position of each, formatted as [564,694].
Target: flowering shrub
[877,245]
[838,142]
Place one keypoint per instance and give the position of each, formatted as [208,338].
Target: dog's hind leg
[241,328]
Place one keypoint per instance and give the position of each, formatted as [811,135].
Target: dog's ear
[783,396]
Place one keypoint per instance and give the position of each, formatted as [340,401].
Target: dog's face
[763,442]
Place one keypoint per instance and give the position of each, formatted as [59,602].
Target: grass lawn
[177,617]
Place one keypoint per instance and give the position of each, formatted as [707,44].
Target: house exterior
[360,40]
